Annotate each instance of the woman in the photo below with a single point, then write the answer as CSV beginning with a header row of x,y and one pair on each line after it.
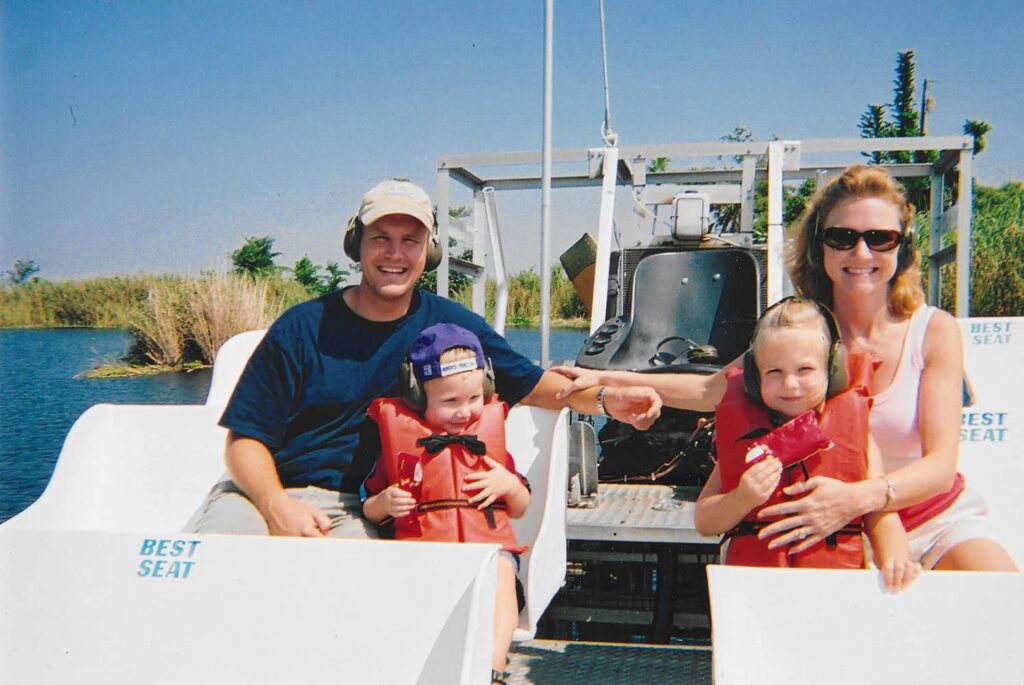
x,y
854,252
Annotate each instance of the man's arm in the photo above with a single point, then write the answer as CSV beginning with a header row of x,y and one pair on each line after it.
x,y
252,467
638,406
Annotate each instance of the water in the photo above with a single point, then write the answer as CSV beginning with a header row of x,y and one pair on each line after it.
x,y
41,394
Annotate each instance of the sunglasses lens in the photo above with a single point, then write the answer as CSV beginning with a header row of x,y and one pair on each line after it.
x,y
840,238
882,241
879,240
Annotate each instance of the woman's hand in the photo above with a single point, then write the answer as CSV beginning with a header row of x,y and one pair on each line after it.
x,y
581,379
827,505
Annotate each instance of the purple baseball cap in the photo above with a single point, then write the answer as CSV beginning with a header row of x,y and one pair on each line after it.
x,y
431,343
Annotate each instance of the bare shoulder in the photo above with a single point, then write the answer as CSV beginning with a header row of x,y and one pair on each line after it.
x,y
942,338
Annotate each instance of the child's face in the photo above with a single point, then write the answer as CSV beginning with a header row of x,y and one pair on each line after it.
x,y
792,364
454,402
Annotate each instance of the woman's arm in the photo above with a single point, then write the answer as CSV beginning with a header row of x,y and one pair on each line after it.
x,y
690,391
889,544
939,409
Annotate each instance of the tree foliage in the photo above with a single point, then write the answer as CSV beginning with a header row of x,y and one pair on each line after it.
x,y
307,274
457,282
23,271
901,119
255,258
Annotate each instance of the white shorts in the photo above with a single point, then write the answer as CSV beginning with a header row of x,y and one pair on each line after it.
x,y
965,519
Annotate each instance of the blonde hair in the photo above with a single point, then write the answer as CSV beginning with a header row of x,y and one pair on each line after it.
x,y
806,259
793,312
455,354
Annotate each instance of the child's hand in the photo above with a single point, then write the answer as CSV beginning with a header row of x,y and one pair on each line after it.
x,y
397,502
899,574
495,483
759,481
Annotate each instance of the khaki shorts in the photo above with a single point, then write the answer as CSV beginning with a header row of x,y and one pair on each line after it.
x,y
227,510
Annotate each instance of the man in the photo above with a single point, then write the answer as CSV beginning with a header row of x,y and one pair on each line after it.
x,y
297,450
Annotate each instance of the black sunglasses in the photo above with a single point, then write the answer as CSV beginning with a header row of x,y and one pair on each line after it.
x,y
877,239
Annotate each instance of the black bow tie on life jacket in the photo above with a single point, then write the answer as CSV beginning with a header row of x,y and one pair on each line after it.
x,y
437,442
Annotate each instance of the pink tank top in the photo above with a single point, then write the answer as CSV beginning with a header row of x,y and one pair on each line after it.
x,y
894,422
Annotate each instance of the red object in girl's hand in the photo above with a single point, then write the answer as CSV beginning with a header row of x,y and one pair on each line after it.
x,y
792,442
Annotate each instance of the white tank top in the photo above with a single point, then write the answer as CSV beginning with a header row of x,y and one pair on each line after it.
x,y
894,421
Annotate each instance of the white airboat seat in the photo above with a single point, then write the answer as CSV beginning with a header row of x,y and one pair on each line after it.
x,y
536,438
793,626
76,593
806,626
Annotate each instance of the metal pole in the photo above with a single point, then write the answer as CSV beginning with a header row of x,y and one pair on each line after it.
x,y
498,253
775,231
545,190
964,203
442,231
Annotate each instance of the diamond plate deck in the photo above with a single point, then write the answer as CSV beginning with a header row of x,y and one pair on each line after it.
x,y
549,662
638,513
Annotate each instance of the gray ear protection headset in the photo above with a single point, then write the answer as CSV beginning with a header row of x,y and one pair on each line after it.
x,y
354,235
411,390
838,378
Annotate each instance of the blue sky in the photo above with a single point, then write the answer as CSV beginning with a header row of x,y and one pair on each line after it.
x,y
151,137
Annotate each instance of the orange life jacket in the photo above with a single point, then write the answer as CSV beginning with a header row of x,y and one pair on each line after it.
x,y
443,512
844,420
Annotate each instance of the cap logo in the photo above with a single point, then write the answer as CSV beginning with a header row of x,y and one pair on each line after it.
x,y
455,367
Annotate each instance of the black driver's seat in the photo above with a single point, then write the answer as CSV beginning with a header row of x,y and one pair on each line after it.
x,y
692,311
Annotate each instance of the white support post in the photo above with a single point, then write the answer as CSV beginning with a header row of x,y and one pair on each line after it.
x,y
935,241
545,187
480,253
748,196
609,178
776,237
500,278
442,231
964,204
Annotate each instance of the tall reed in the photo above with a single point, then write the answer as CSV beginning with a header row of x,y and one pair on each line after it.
x,y
524,299
159,326
221,306
189,320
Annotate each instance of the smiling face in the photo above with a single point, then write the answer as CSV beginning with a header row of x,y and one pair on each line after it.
x,y
862,270
392,253
792,363
454,402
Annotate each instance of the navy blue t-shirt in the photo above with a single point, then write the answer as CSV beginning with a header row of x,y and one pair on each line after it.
x,y
306,388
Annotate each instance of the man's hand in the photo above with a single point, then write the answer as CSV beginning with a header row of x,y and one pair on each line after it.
x,y
638,406
286,516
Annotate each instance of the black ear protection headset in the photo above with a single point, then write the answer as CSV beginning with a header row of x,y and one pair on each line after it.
x,y
411,390
354,235
838,378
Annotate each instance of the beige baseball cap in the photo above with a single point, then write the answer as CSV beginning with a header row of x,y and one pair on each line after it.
x,y
397,197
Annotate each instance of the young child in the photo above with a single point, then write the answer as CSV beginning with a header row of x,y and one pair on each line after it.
x,y
443,474
797,365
